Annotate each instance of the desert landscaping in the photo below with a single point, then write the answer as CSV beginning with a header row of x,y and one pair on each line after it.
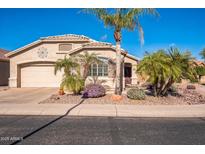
x,y
184,96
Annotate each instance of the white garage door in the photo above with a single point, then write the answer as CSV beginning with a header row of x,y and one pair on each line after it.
x,y
40,75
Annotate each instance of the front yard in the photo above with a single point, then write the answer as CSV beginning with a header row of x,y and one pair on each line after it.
x,y
184,96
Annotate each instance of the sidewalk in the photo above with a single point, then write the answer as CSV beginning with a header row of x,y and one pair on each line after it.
x,y
113,110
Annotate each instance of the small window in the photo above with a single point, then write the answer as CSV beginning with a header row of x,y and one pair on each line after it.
x,y
65,47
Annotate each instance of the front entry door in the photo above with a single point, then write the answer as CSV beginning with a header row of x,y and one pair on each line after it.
x,y
128,74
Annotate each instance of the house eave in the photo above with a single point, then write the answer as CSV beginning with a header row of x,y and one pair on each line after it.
x,y
4,60
12,53
104,47
19,50
90,45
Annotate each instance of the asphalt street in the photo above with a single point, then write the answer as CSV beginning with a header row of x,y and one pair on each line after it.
x,y
101,130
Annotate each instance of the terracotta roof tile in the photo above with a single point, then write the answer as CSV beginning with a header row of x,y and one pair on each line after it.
x,y
69,37
199,63
97,44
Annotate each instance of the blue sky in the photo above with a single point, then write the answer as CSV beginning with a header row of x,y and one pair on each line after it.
x,y
184,28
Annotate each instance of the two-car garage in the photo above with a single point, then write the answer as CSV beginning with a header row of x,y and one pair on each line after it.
x,y
38,75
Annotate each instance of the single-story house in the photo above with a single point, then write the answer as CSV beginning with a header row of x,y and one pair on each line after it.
x,y
33,65
4,68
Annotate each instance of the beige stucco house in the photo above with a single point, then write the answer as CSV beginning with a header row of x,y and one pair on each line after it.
x,y
4,68
33,64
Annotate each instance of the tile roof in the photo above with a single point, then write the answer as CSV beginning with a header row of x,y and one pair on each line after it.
x,y
70,37
199,63
87,43
2,54
97,44
100,44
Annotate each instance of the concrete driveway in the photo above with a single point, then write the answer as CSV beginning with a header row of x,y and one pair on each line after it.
x,y
25,95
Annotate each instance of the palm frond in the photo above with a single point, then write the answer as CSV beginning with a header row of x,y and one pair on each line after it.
x,y
123,18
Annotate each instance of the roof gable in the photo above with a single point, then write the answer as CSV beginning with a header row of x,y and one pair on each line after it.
x,y
87,43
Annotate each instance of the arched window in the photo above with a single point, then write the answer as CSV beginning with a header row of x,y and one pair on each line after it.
x,y
99,69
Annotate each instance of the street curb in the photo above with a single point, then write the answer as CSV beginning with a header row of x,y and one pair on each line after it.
x,y
105,110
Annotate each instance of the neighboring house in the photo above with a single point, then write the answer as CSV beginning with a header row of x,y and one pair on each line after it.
x,y
33,64
4,68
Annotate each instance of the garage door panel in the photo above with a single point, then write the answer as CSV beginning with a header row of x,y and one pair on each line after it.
x,y
40,76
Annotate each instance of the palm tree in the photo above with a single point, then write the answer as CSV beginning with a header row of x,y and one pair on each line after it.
x,y
180,67
71,77
164,68
119,19
155,66
67,64
86,60
202,53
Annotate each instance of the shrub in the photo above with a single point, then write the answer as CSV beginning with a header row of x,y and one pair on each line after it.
x,y
93,91
73,83
173,90
137,94
190,87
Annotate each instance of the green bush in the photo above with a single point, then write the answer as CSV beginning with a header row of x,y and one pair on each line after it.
x,y
73,83
137,94
173,89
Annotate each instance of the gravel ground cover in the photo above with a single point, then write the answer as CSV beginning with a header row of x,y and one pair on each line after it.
x,y
185,97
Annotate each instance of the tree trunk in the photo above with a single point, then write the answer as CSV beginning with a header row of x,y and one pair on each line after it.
x,y
155,90
168,85
85,72
200,77
118,69
161,87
